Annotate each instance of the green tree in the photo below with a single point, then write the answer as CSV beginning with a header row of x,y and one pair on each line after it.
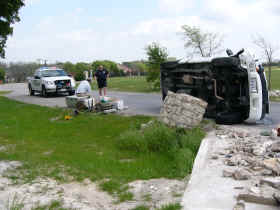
x,y
156,56
202,43
2,74
69,67
111,66
8,16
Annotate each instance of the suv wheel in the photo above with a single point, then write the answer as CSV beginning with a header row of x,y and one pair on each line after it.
x,y
44,92
31,92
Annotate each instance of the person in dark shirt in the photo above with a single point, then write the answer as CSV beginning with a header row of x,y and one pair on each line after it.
x,y
101,76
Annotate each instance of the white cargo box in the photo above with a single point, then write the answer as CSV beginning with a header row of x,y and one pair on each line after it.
x,y
71,101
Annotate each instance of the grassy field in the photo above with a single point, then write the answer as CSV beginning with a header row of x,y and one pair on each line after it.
x,y
275,78
4,92
92,146
128,84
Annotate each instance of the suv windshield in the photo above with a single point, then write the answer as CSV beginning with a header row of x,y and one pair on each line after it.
x,y
53,73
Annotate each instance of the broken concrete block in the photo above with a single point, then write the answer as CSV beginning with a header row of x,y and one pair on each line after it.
x,y
227,173
275,147
260,199
273,134
240,205
260,195
276,196
182,110
272,164
241,174
271,181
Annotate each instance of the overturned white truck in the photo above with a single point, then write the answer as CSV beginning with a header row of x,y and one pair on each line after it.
x,y
234,87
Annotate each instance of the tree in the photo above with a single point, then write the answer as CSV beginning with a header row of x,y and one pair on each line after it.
x,y
202,43
8,15
268,51
111,66
2,74
156,56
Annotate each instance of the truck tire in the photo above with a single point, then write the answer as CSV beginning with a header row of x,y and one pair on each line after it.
x,y
229,118
44,92
31,92
226,62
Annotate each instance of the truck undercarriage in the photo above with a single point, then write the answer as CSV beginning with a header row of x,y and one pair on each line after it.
x,y
223,83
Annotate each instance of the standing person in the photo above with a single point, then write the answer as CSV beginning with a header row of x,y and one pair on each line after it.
x,y
101,76
84,88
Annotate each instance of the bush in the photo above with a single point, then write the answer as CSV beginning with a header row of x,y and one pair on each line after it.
x,y
132,140
160,138
183,161
79,76
192,139
180,146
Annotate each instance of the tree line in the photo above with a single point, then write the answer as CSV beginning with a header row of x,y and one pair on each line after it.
x,y
19,71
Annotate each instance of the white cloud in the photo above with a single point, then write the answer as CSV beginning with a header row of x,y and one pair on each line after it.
x,y
63,38
175,6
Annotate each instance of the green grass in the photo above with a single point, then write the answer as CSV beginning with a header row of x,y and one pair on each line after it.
x,y
4,92
175,206
127,84
274,98
85,147
275,77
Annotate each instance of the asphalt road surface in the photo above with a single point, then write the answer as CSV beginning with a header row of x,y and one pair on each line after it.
x,y
138,103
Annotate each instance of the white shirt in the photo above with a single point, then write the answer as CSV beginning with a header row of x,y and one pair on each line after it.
x,y
84,87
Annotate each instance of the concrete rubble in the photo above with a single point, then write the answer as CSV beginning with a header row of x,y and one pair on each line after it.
x,y
253,157
182,110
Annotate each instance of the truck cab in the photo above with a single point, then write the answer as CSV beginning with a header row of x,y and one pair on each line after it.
x,y
234,87
47,80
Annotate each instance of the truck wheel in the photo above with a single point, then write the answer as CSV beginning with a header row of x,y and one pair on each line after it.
x,y
226,62
31,92
44,92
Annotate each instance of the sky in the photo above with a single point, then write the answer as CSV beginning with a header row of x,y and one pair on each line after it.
x,y
119,30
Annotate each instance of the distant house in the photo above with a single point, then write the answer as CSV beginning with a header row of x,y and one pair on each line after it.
x,y
125,69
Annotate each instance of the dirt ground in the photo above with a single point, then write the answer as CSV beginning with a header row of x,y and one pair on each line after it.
x,y
86,195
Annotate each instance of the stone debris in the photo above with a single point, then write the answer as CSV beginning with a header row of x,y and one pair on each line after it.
x,y
240,205
241,174
85,195
271,181
275,146
182,110
255,157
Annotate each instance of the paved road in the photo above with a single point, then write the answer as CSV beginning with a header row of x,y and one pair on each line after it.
x,y
138,103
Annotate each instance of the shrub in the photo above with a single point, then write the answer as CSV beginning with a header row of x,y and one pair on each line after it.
x,y
79,76
132,140
183,161
192,139
160,138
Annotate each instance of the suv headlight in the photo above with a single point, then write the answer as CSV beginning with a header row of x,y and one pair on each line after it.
x,y
253,85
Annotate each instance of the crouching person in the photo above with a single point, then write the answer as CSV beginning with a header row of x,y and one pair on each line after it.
x,y
84,88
